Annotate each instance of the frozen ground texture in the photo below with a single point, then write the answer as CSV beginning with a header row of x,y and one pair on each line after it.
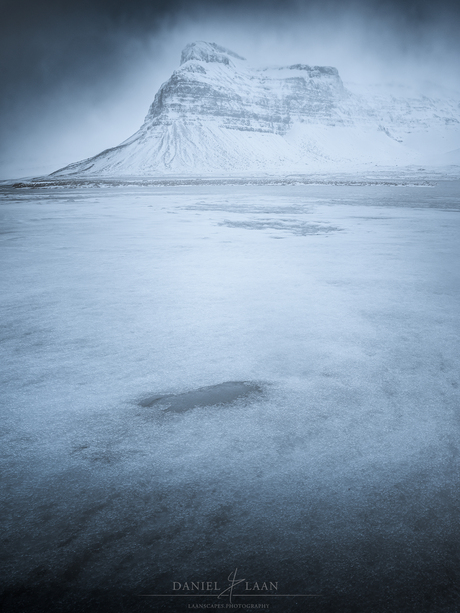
x,y
331,466
218,114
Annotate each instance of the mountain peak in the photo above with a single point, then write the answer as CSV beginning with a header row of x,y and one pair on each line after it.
x,y
217,114
207,52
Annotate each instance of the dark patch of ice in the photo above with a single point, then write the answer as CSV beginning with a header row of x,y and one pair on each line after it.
x,y
293,226
212,395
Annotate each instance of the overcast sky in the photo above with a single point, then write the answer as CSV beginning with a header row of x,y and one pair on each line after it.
x,y
78,77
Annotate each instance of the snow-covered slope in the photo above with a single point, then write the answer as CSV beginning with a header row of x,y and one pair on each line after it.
x,y
217,114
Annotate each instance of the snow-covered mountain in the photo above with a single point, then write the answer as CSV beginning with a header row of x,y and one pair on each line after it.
x,y
218,114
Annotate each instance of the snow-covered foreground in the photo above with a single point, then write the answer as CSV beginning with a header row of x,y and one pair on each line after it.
x,y
336,476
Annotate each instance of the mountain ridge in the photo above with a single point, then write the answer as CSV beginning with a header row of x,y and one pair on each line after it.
x,y
216,113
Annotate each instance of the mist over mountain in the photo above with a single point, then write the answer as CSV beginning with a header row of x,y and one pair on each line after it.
x,y
78,78
217,113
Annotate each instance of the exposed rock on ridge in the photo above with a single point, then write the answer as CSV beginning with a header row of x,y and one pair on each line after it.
x,y
208,52
217,114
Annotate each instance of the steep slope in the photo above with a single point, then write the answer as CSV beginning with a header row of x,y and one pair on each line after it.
x,y
217,114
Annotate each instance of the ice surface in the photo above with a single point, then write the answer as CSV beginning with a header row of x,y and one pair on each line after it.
x,y
341,479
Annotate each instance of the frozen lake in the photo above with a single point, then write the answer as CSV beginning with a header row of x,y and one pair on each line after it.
x,y
329,461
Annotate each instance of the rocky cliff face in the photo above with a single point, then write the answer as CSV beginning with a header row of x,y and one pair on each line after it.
x,y
217,114
216,84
